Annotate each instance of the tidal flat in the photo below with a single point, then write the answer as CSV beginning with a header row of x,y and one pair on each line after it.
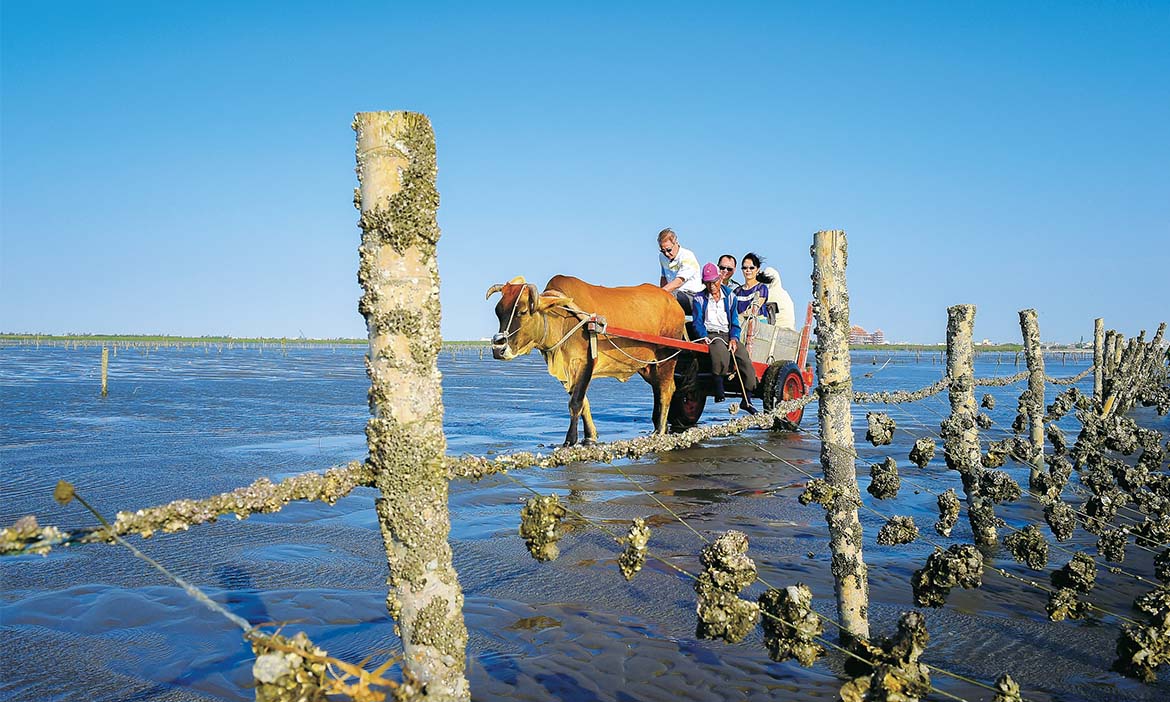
x,y
191,422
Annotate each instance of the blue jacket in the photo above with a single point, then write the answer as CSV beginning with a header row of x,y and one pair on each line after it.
x,y
699,318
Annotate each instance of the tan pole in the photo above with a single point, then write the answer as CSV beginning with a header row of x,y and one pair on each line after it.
x,y
400,301
831,304
105,368
1098,357
960,432
1034,355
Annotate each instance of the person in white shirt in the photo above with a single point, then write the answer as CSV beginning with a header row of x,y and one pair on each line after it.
x,y
785,308
680,275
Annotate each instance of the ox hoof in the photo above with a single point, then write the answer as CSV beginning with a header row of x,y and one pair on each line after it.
x,y
589,442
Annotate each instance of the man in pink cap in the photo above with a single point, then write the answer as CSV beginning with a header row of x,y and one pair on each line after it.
x,y
717,325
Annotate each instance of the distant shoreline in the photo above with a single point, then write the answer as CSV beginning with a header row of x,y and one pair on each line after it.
x,y
166,339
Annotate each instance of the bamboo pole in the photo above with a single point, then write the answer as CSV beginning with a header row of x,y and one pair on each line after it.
x,y
831,303
105,369
960,432
1098,357
400,279
1034,355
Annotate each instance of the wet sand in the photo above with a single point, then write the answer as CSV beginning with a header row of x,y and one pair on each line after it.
x,y
185,423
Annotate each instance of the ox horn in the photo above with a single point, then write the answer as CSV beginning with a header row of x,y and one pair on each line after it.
x,y
498,287
533,297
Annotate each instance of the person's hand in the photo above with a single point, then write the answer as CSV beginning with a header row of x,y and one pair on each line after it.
x,y
732,344
706,340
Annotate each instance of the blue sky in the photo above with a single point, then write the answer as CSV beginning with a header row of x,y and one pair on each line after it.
x,y
187,167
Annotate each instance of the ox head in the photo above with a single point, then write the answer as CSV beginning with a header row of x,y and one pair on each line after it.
x,y
521,312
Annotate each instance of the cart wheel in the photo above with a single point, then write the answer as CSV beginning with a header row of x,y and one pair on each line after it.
x,y
685,409
783,381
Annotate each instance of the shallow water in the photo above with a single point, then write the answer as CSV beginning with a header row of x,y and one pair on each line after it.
x,y
190,422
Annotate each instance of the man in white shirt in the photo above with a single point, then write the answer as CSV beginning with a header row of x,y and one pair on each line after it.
x,y
680,270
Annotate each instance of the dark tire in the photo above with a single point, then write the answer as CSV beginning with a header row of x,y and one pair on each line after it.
x,y
685,409
783,381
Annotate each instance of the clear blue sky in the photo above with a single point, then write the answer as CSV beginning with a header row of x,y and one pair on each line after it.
x,y
187,167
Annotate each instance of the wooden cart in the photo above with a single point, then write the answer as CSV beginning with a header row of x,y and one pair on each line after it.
x,y
778,360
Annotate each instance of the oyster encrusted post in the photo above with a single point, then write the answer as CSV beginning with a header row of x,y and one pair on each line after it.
x,y
1034,355
400,301
834,410
960,432
1098,358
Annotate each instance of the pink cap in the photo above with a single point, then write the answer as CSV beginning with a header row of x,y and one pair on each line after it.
x,y
710,272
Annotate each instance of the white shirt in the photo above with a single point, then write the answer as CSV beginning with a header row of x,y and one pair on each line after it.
x,y
786,309
716,317
786,312
686,266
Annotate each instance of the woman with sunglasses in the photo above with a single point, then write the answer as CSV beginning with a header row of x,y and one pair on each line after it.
x,y
751,297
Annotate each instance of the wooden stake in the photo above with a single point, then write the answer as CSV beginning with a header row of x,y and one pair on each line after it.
x,y
105,369
1034,355
961,445
1098,357
831,304
400,279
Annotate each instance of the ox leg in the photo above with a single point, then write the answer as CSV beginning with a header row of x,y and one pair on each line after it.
x,y
587,421
663,394
580,385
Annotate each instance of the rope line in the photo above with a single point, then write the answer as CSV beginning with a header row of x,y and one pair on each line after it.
x,y
790,625
1055,544
1038,496
1072,380
937,545
632,358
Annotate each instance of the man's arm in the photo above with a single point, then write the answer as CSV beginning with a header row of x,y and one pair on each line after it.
x,y
672,285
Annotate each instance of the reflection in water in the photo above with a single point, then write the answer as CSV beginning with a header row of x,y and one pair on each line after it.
x,y
182,423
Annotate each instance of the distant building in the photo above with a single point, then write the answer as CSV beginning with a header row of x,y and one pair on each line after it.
x,y
858,335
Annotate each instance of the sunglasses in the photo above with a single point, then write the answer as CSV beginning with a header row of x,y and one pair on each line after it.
x,y
727,268
749,268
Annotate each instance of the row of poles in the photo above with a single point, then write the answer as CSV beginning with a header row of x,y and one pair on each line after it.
x,y
831,307
397,200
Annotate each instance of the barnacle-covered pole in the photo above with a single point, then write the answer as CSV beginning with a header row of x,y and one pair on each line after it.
x,y
400,301
1098,358
1107,359
960,432
1034,355
834,410
105,369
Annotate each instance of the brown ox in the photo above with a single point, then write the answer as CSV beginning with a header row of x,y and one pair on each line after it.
x,y
549,321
